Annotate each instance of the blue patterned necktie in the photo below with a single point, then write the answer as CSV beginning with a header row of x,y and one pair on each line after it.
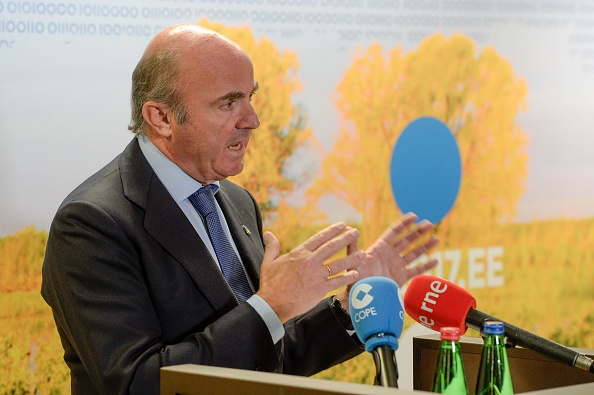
x,y
204,202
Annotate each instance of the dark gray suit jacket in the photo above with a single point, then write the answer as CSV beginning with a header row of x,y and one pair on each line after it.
x,y
133,288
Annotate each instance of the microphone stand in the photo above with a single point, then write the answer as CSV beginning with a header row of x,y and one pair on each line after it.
x,y
385,366
517,336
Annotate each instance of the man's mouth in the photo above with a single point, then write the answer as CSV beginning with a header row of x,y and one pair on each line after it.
x,y
240,143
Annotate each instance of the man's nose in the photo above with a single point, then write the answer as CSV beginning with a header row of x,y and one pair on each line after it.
x,y
250,119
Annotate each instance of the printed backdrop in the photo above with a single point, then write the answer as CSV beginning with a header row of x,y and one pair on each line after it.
x,y
340,80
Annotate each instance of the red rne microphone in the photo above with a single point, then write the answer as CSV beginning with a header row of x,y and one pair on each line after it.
x,y
435,303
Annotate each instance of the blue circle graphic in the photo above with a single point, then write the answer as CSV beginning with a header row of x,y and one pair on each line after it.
x,y
426,169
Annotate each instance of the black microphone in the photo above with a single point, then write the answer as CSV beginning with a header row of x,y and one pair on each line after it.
x,y
435,303
378,318
517,336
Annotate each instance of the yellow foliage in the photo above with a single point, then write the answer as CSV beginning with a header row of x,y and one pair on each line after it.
x,y
31,359
476,95
21,256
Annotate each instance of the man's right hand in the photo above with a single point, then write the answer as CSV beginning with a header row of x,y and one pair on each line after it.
x,y
294,283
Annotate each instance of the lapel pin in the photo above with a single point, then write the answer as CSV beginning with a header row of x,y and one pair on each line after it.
x,y
246,230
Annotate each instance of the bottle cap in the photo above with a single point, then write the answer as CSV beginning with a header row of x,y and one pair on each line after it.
x,y
493,328
449,333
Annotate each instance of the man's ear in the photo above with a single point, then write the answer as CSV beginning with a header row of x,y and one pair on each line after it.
x,y
158,117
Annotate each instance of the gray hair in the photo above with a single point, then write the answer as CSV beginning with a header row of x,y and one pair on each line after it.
x,y
156,78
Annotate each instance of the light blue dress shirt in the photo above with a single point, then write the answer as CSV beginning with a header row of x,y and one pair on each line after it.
x,y
180,185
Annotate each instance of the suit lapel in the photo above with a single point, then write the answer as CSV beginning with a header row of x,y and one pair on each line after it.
x,y
168,225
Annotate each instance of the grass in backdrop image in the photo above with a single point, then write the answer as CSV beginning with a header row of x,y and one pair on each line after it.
x,y
31,355
546,265
524,273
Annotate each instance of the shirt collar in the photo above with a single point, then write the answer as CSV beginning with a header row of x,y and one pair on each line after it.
x,y
179,184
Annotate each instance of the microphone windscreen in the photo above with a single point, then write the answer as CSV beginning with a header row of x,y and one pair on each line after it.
x,y
375,309
436,303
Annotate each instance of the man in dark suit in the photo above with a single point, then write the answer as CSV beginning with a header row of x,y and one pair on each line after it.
x,y
134,274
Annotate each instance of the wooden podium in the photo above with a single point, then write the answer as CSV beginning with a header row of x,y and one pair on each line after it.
x,y
209,380
531,372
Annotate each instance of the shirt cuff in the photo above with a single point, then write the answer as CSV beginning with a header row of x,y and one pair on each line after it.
x,y
274,325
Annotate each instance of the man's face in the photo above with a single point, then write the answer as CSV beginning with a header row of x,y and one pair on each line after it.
x,y
211,144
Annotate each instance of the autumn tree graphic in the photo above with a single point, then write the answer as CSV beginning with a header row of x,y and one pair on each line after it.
x,y
476,94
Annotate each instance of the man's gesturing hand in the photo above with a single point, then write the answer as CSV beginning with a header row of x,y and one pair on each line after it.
x,y
295,282
392,253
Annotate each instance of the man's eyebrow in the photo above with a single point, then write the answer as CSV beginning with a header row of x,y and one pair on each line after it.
x,y
231,96
235,95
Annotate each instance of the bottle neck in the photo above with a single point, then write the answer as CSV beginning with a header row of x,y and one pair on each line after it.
x,y
494,341
451,345
494,375
449,375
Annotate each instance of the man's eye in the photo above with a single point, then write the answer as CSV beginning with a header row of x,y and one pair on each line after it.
x,y
228,106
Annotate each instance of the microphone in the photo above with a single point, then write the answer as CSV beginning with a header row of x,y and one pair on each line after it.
x,y
435,303
377,315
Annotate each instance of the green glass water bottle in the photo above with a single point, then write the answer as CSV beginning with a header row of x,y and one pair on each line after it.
x,y
449,374
494,377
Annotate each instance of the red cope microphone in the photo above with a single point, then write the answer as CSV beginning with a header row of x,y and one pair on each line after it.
x,y
435,303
